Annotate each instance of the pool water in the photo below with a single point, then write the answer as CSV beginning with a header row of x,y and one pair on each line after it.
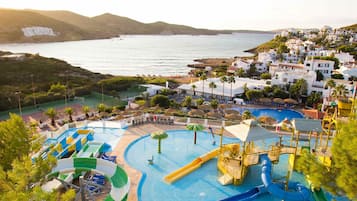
x,y
278,114
178,150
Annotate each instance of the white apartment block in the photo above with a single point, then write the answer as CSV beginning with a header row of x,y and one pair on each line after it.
x,y
324,66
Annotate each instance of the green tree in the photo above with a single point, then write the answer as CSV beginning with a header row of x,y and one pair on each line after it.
x,y
340,91
212,86
247,115
101,107
69,112
187,102
223,80
299,88
199,101
341,177
214,104
231,80
146,97
279,93
254,94
267,91
240,72
160,135
313,99
330,84
51,113
161,100
194,89
86,110
265,76
195,128
319,76
203,77
252,70
57,88
20,176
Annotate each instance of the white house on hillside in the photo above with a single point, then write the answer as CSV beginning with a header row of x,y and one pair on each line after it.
x,y
267,57
324,66
344,58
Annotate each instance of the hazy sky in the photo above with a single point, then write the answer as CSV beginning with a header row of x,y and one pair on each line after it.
x,y
212,14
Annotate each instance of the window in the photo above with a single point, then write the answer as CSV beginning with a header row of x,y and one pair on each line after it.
x,y
285,80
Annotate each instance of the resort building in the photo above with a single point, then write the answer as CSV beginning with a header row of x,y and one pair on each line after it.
x,y
324,66
267,57
286,67
344,58
203,89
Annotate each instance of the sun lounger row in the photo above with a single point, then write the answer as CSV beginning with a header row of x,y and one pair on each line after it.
x,y
157,120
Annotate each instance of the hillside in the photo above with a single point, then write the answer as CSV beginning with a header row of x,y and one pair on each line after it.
x,y
12,21
49,26
18,74
351,27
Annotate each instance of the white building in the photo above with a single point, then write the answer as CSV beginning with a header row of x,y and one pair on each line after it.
x,y
242,63
152,89
324,66
267,57
344,58
202,88
286,67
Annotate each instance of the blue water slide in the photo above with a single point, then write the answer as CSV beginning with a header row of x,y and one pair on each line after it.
x,y
301,193
248,195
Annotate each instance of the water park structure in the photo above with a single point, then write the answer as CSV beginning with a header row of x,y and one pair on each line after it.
x,y
83,159
235,159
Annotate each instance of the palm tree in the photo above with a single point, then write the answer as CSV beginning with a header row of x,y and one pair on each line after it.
x,y
231,80
51,113
69,112
194,89
212,86
187,102
86,110
194,128
223,79
340,91
203,77
101,107
330,84
214,104
247,115
240,72
159,135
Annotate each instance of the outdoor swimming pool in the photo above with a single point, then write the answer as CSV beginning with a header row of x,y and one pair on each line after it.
x,y
178,150
278,114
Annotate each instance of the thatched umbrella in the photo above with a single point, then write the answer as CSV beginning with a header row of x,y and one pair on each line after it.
x,y
278,100
265,100
195,112
231,112
233,116
214,114
290,101
267,120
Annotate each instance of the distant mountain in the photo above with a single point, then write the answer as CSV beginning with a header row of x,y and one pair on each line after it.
x,y
12,22
48,26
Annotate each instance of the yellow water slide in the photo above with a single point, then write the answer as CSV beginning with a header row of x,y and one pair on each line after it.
x,y
187,169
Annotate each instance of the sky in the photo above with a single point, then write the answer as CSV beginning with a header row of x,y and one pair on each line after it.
x,y
212,14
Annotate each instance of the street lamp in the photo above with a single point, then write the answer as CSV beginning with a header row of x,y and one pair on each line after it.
x,y
18,93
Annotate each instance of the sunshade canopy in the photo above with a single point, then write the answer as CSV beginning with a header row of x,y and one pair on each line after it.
x,y
250,130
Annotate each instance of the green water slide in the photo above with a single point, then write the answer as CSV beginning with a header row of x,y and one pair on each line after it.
x,y
91,149
118,178
319,195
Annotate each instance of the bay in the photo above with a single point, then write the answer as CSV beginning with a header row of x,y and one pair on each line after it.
x,y
144,54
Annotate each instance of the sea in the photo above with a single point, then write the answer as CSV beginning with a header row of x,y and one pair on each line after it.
x,y
166,55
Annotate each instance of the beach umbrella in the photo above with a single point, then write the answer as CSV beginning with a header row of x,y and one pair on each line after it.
x,y
265,100
195,112
195,128
290,101
249,130
233,116
231,112
267,120
278,100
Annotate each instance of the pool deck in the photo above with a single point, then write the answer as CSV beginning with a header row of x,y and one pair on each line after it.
x,y
129,136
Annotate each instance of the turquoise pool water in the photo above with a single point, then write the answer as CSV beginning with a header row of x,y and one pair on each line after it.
x,y
278,114
178,150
